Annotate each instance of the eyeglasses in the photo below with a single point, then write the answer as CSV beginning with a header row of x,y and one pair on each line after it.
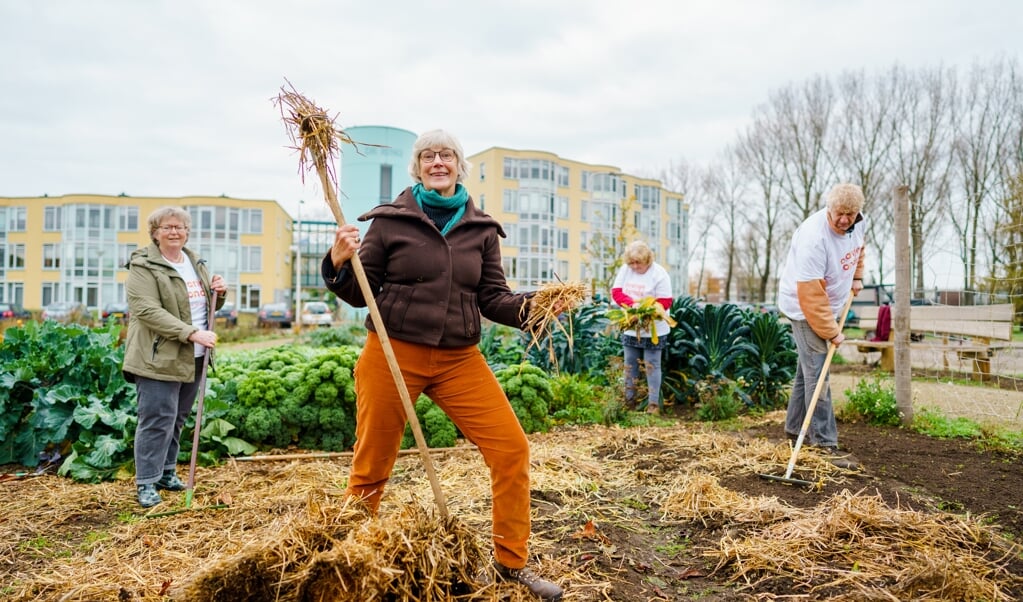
x,y
173,228
428,156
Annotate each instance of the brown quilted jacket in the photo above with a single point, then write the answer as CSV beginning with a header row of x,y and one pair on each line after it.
x,y
430,289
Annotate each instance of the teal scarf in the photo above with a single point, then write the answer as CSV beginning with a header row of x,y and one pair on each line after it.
x,y
431,198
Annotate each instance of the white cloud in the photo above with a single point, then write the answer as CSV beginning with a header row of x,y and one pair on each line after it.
x,y
173,98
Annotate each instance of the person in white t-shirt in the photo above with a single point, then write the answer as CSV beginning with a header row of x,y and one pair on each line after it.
x,y
169,290
638,278
824,266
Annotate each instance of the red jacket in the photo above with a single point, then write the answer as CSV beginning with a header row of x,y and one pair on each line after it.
x,y
430,289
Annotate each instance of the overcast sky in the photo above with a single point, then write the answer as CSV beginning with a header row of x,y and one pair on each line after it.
x,y
174,97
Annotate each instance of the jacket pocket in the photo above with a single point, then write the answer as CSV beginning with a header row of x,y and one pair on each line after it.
x,y
163,358
470,315
394,303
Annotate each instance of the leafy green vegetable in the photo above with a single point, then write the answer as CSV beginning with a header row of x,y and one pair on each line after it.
x,y
530,394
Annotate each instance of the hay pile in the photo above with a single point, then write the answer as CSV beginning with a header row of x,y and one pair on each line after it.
x,y
599,496
543,308
850,546
336,554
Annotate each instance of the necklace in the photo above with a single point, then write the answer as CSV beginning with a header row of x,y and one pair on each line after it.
x,y
180,259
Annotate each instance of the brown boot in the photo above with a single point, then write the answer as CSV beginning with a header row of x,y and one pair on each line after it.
x,y
541,588
840,459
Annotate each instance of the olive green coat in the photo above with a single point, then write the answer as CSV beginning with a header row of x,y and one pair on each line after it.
x,y
160,323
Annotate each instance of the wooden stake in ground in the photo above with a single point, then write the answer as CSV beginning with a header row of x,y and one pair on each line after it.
x,y
316,138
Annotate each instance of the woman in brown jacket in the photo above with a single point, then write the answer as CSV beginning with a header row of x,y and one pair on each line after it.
x,y
434,262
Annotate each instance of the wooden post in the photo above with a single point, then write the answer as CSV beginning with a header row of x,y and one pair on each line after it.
x,y
900,313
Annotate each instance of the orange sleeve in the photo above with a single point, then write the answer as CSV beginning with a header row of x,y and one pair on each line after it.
x,y
813,300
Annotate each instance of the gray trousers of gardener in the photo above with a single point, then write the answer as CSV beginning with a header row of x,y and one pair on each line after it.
x,y
811,351
163,408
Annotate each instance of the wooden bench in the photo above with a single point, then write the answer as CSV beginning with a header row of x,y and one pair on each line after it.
x,y
969,330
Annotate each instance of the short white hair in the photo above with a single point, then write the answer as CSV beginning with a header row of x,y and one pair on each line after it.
x,y
847,198
443,139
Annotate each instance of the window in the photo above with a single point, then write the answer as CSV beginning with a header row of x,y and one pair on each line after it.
x,y
561,207
252,221
128,219
51,256
482,167
249,297
50,293
600,182
124,252
16,217
16,256
13,292
385,184
561,176
252,259
53,219
511,201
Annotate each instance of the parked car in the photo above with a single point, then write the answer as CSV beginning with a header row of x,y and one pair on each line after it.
x,y
317,313
227,314
116,311
68,312
10,311
274,314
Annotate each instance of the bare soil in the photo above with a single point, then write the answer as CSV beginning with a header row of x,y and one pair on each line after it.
x,y
906,469
646,558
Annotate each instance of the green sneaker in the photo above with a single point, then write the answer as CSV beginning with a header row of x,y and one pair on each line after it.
x,y
170,482
148,496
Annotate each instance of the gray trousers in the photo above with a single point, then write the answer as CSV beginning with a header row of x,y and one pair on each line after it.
x,y
163,408
651,364
811,351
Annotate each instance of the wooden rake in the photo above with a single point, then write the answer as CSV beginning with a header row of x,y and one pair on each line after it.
x,y
316,138
788,478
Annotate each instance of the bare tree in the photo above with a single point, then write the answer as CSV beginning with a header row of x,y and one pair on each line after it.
x,y
762,163
678,178
799,121
984,122
724,185
703,217
922,158
863,140
1005,241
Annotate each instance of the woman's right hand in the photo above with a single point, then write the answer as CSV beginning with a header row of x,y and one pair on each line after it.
x,y
346,243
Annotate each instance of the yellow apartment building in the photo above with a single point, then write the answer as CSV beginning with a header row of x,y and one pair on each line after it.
x,y
554,210
74,247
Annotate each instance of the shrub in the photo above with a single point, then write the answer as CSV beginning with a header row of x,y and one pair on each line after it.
x,y
577,400
874,402
530,394
767,369
438,430
720,399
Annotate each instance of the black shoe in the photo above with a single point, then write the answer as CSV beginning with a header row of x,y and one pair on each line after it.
x,y
840,458
541,588
148,496
170,482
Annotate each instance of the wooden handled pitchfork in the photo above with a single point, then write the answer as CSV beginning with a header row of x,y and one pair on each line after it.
x,y
316,139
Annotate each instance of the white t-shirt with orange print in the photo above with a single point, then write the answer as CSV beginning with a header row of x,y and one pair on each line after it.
x,y
819,253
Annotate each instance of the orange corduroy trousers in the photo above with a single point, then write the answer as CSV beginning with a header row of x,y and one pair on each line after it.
x,y
461,383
